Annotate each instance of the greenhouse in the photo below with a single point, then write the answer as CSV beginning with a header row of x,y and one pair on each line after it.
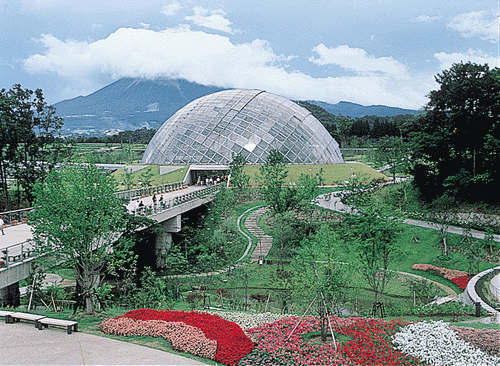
x,y
211,129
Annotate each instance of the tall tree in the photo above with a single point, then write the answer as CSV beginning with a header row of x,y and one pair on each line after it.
x,y
344,127
239,179
457,141
376,242
29,145
77,218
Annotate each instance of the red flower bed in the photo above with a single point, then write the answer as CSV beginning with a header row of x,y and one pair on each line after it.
x,y
232,342
461,281
370,344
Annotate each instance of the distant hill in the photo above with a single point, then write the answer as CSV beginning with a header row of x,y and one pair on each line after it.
x,y
354,110
130,104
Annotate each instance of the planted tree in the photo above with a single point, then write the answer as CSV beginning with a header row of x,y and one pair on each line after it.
x,y
77,218
441,214
239,179
376,241
322,273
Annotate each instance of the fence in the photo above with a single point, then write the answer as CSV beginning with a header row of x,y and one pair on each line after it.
x,y
163,205
149,191
16,253
16,217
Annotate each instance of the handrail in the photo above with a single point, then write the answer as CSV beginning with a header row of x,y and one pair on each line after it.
x,y
148,191
15,217
163,205
16,253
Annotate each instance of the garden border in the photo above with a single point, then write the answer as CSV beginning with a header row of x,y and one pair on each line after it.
x,y
472,295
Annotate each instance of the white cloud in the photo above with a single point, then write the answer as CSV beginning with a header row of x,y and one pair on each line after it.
x,y
144,25
476,23
212,59
171,9
446,60
427,18
358,60
213,19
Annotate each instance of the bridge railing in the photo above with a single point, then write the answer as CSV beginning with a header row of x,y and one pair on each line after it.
x,y
163,205
16,253
15,217
149,191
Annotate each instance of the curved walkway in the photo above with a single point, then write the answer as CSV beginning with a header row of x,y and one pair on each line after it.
x,y
264,241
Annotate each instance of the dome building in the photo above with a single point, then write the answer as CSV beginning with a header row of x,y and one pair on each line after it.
x,y
212,128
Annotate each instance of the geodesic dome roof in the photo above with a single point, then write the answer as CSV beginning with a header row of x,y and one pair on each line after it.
x,y
212,128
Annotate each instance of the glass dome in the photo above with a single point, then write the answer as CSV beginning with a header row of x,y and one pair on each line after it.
x,y
210,129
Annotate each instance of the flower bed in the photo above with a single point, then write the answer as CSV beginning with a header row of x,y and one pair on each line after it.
x,y
231,342
487,340
436,344
247,321
462,281
370,344
460,278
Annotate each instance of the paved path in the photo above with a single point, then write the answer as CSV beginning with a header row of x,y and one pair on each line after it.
x,y
265,242
23,344
332,201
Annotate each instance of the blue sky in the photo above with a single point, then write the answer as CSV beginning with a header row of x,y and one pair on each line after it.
x,y
362,51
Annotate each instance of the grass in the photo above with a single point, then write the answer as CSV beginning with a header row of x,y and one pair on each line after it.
x,y
157,179
331,173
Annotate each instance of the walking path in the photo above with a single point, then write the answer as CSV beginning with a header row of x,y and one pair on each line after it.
x,y
23,344
264,241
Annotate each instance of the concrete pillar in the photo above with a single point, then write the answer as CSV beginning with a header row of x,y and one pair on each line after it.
x,y
10,295
164,239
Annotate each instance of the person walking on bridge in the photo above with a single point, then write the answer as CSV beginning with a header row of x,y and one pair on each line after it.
x,y
1,225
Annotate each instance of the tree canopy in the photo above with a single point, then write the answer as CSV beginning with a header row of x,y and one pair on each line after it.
x,y
456,143
76,218
29,147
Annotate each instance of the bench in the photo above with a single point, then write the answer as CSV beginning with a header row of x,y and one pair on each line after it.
x,y
70,325
16,317
6,315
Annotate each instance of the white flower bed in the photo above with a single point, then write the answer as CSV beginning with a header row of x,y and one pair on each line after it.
x,y
247,321
436,344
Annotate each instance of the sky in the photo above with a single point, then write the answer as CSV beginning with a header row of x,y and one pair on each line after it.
x,y
362,51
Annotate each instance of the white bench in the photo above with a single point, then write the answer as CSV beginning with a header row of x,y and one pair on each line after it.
x,y
70,325
16,317
6,315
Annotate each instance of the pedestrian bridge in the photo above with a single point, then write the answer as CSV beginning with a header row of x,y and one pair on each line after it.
x,y
163,203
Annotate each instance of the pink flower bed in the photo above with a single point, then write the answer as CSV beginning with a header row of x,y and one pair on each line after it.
x,y
487,340
370,344
461,278
183,337
231,342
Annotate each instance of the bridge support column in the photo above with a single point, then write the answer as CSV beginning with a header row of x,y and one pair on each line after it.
x,y
164,239
9,296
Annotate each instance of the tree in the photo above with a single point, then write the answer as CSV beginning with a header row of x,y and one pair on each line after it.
x,y
322,272
77,217
274,173
376,241
29,145
344,127
282,197
239,179
393,152
456,143
442,213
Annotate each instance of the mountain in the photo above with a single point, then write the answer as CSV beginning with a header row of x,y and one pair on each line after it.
x,y
130,104
354,110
